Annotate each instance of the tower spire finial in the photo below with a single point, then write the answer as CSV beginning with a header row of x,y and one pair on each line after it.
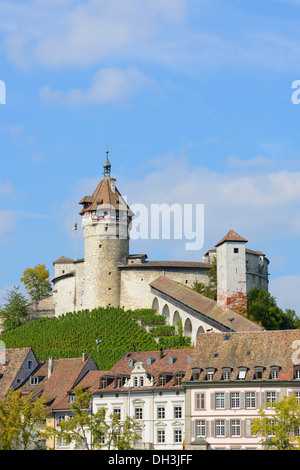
x,y
106,166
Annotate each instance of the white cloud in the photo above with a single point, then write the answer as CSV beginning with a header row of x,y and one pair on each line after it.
x,y
108,85
73,33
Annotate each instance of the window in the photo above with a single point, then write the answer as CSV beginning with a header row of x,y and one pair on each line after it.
x,y
138,412
34,380
162,380
226,374
274,373
270,397
118,382
220,428
297,396
178,379
297,374
160,412
103,383
160,436
117,411
235,250
210,375
250,400
72,397
141,381
135,382
177,435
195,374
220,400
235,400
242,374
258,374
29,365
200,401
177,411
235,427
200,428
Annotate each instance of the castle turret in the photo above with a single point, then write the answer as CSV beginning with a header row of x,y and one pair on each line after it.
x,y
106,220
231,271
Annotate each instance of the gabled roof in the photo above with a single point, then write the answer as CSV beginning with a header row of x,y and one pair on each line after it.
x,y
14,360
247,350
64,377
63,260
231,236
202,305
104,198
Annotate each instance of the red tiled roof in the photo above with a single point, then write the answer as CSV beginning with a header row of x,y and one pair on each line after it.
x,y
232,236
157,367
15,358
248,349
104,197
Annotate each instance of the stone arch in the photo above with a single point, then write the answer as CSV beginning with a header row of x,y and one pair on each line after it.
x,y
155,304
176,319
200,331
188,329
166,311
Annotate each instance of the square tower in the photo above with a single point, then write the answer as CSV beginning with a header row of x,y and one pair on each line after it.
x,y
231,271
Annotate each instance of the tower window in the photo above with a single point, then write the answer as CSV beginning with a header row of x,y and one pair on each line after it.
x,y
100,246
235,250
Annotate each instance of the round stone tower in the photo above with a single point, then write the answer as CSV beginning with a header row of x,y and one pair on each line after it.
x,y
106,220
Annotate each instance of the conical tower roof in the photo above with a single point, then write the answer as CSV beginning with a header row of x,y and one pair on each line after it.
x,y
105,196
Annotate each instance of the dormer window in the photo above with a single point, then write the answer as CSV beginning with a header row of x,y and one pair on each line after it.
x,y
296,373
162,380
258,373
178,379
226,374
242,374
103,383
274,373
196,374
34,380
210,374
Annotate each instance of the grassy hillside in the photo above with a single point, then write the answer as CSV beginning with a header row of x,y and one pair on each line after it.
x,y
116,331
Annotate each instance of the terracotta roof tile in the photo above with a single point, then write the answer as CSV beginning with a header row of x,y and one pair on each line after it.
x,y
249,350
232,236
203,305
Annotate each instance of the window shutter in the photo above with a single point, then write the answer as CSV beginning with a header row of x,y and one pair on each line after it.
x,y
242,400
212,428
247,427
227,400
242,427
257,402
212,401
207,433
263,399
227,430
193,428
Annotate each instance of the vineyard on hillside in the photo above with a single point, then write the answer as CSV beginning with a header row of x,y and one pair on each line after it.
x,y
106,334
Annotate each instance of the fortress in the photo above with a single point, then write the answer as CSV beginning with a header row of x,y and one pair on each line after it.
x,y
110,276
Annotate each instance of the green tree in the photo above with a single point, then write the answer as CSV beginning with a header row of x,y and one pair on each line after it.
x,y
22,421
14,312
210,289
279,430
37,282
94,431
263,309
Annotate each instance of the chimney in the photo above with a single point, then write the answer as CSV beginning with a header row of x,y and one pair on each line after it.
x,y
161,353
50,366
83,357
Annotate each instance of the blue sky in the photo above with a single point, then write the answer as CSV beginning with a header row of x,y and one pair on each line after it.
x,y
193,100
